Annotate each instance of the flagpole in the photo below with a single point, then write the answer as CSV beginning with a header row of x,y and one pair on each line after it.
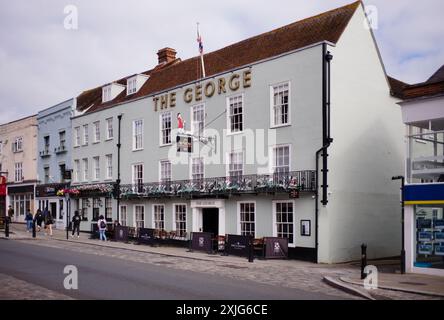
x,y
201,51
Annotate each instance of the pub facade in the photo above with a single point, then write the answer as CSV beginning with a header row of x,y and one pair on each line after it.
x,y
273,141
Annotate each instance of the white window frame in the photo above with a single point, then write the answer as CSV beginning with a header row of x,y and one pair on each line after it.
x,y
239,227
85,134
18,172
160,171
109,128
192,166
272,157
193,123
154,213
174,228
274,202
77,137
131,85
77,170
17,145
85,174
162,129
272,115
228,162
126,215
96,125
229,132
106,93
133,176
96,168
1,147
135,136
109,166
135,215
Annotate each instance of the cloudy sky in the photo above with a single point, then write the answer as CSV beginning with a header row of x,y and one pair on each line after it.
x,y
42,63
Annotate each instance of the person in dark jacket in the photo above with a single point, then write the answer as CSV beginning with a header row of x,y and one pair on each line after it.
x,y
28,219
38,218
76,219
49,221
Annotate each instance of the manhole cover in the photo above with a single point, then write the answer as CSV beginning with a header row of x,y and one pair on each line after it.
x,y
233,266
414,283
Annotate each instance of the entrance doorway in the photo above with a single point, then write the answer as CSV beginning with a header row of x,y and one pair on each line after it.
x,y
210,220
54,210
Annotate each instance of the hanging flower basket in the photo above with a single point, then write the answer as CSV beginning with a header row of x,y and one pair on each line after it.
x,y
63,192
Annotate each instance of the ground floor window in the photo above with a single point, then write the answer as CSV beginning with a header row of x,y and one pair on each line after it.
x,y
21,203
429,237
123,216
96,209
159,216
140,216
284,220
247,214
108,209
84,209
180,212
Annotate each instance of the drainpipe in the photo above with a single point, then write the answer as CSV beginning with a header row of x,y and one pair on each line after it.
x,y
326,140
119,145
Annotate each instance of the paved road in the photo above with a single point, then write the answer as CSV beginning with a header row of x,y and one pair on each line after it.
x,y
102,277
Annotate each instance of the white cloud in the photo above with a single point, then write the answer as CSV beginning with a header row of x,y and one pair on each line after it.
x,y
43,64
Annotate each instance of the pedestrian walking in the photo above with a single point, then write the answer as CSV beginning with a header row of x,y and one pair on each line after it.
x,y
38,218
10,213
49,221
76,219
28,219
102,227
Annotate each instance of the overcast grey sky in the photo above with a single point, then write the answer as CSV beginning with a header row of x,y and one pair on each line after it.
x,y
43,64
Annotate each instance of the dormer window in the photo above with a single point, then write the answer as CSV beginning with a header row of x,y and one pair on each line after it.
x,y
111,91
106,94
133,84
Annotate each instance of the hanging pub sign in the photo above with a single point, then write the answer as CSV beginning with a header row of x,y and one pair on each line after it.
x,y
237,245
276,248
201,241
121,233
184,143
294,194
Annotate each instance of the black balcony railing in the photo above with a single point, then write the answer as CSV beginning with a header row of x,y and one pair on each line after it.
x,y
255,183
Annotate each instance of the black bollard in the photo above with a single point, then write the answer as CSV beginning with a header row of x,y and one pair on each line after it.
x,y
250,249
363,260
33,229
7,227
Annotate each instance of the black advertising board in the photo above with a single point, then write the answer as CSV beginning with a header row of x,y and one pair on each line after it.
x,y
276,248
146,236
121,233
237,245
201,241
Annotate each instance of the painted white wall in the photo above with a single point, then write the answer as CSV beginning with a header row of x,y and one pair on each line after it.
x,y
366,152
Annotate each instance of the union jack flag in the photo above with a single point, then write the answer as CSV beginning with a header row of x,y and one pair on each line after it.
x,y
199,40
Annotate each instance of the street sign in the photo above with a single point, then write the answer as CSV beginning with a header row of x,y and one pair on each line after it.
x,y
184,143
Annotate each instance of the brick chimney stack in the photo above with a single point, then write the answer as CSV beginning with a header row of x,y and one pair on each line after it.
x,y
166,55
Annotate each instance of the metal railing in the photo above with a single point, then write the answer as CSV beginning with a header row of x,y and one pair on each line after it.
x,y
255,183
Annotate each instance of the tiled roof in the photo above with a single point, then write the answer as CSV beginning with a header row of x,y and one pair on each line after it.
x,y
423,90
437,76
396,87
327,26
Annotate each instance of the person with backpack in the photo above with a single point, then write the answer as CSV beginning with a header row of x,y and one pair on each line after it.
x,y
38,218
102,227
76,219
28,219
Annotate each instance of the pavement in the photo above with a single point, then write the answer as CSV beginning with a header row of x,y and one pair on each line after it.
x,y
339,280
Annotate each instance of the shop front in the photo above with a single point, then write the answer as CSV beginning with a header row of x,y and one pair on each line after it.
x,y
47,199
21,199
424,228
3,196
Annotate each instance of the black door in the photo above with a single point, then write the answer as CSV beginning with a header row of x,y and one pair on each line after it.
x,y
54,210
210,220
